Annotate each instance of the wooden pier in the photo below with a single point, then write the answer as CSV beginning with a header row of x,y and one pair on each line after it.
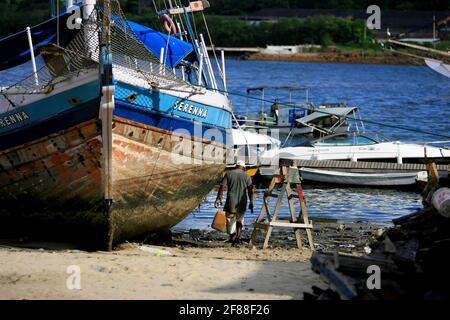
x,y
236,49
361,166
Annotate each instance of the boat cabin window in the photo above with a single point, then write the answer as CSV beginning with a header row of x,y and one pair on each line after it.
x,y
345,140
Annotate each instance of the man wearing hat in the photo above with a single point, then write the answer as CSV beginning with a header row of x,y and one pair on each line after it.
x,y
238,184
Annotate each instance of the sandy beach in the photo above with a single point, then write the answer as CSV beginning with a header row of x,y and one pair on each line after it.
x,y
130,273
197,264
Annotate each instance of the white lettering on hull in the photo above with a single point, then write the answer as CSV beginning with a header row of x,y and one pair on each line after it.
x,y
6,121
191,109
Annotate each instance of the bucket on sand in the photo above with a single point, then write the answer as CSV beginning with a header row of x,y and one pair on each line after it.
x,y
441,201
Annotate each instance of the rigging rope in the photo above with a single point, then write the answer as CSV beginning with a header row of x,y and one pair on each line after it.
x,y
213,49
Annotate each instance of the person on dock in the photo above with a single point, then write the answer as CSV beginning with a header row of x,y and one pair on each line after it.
x,y
274,110
238,184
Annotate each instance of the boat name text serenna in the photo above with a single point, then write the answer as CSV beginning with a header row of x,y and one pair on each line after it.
x,y
7,121
190,109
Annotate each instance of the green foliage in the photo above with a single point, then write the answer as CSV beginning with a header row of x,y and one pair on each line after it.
x,y
16,15
239,7
322,30
441,45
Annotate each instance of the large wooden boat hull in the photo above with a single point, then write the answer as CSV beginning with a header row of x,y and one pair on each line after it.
x,y
154,188
52,173
105,143
53,186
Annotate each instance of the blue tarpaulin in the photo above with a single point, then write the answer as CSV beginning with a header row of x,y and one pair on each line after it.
x,y
14,49
154,41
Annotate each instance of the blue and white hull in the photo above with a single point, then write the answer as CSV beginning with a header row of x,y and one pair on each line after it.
x,y
168,151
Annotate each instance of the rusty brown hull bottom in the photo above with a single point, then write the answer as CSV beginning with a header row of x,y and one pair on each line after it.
x,y
52,187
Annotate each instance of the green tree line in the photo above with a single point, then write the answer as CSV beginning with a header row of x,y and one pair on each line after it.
x,y
239,7
15,15
321,30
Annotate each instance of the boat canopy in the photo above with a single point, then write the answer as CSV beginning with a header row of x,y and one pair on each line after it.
x,y
241,137
276,88
154,41
14,49
339,112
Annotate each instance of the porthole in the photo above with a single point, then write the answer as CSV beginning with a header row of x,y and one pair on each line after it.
x,y
74,101
132,97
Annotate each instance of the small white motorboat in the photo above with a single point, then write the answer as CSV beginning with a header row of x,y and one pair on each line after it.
x,y
361,179
295,118
356,147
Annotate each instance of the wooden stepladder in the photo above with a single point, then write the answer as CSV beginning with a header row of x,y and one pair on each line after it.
x,y
287,176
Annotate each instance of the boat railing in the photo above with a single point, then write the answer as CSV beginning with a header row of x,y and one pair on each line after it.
x,y
253,123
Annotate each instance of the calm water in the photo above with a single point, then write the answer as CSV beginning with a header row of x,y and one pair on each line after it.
x,y
409,96
341,204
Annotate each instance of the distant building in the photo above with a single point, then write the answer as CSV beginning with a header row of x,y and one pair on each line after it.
x,y
414,24
443,27
289,49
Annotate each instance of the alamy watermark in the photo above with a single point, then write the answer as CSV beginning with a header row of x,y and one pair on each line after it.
x,y
219,146
374,280
374,20
73,281
74,20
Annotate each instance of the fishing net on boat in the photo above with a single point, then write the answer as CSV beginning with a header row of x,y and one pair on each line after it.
x,y
133,63
60,64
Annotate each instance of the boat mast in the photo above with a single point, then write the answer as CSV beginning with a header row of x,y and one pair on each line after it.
x,y
199,45
106,114
106,55
107,103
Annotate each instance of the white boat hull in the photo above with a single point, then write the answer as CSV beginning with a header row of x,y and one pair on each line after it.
x,y
381,151
359,179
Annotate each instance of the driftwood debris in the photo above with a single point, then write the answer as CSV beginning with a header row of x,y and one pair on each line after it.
x,y
409,261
